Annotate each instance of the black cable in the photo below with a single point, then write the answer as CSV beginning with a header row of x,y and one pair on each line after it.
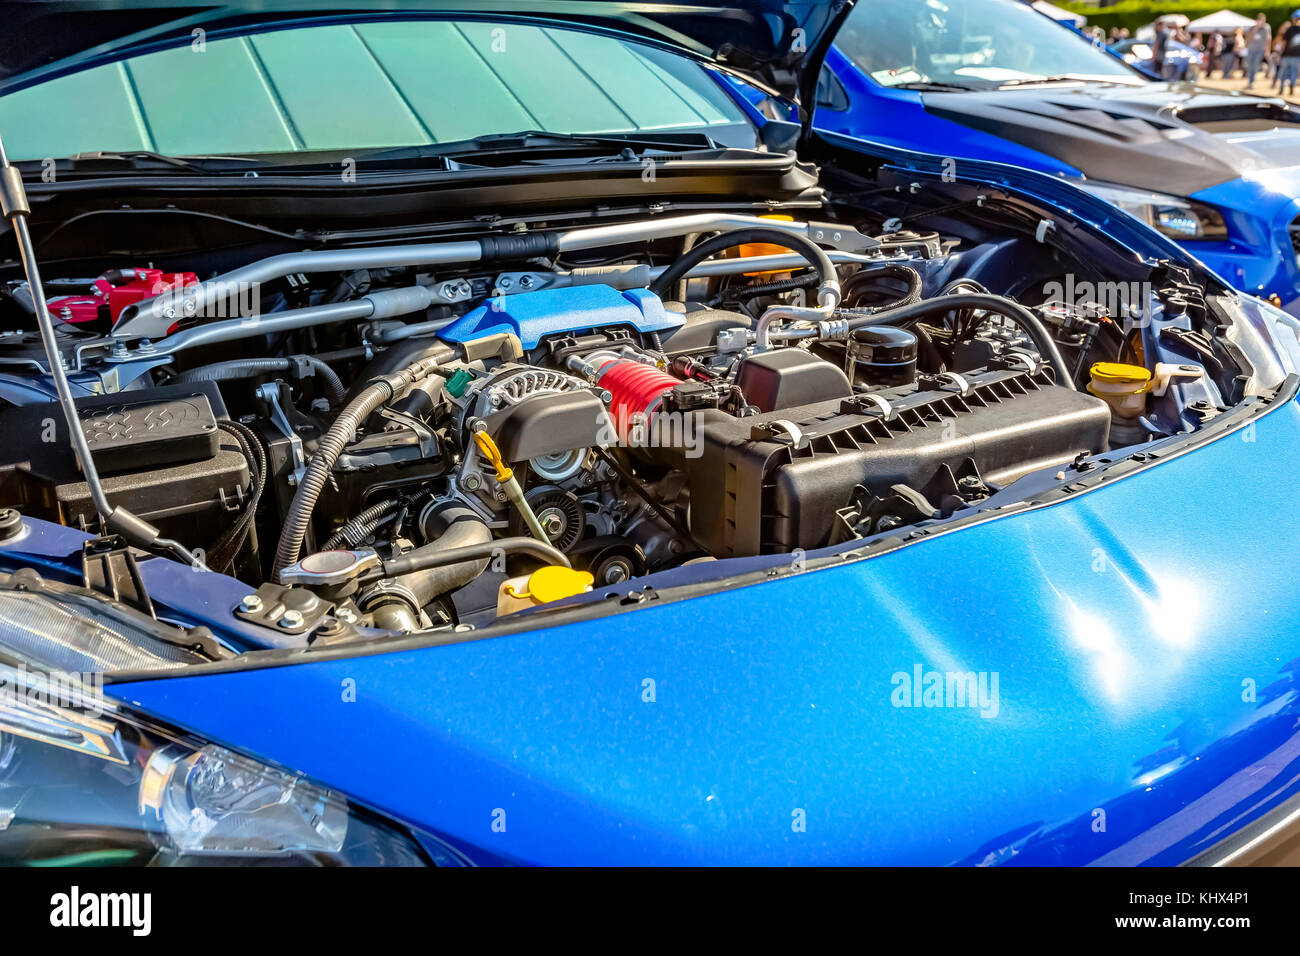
x,y
641,492
223,552
747,292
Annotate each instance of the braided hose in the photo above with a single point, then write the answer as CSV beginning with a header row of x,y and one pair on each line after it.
x,y
361,525
318,469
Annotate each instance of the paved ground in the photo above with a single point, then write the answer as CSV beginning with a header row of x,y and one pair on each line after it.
x,y
1263,87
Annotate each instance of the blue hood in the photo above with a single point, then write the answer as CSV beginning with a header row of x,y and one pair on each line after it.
x,y
1135,645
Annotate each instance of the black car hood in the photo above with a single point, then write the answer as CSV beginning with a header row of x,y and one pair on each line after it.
x,y
1159,136
776,44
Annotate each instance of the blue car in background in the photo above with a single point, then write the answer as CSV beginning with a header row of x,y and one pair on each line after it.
x,y
455,434
1181,61
996,80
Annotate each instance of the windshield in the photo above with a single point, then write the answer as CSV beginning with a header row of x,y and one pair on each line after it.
x,y
368,86
966,43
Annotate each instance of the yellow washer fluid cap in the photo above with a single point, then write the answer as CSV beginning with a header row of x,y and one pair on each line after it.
x,y
1123,387
1119,374
553,583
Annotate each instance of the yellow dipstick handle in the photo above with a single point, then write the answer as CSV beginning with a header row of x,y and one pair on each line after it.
x,y
493,454
506,477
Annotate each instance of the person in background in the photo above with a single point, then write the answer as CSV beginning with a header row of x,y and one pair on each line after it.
x,y
1288,70
1159,48
1236,54
1213,53
1258,40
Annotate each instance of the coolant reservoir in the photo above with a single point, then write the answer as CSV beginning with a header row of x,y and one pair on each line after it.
x,y
750,250
551,583
1123,387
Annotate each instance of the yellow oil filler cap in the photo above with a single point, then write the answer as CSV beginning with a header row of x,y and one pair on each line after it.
x,y
1123,387
551,583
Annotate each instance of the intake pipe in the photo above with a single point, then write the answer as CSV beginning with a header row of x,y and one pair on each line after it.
x,y
395,601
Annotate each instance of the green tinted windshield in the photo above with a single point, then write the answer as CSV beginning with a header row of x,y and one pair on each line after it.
x,y
371,85
977,43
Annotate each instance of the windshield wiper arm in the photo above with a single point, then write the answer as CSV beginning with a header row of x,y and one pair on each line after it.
x,y
541,141
933,86
1057,78
142,160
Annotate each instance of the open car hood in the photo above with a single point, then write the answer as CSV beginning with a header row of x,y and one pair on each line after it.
x,y
775,44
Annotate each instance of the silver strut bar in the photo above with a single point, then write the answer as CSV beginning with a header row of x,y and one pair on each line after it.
x,y
151,318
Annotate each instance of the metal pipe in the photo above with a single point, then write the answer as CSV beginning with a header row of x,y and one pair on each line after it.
x,y
152,318
383,304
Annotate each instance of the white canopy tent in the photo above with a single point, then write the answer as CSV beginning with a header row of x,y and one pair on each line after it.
x,y
1059,15
1225,21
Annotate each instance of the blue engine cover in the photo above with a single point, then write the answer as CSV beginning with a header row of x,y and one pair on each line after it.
x,y
535,315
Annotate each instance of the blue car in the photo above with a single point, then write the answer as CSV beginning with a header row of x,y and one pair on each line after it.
x,y
444,435
995,80
1182,62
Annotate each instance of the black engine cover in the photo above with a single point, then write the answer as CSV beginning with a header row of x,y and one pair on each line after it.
x,y
755,489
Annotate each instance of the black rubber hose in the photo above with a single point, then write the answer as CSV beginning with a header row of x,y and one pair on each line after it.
x,y
814,253
997,304
429,557
247,368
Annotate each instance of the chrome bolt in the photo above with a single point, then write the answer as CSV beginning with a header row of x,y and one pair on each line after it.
x,y
251,604
291,618
346,615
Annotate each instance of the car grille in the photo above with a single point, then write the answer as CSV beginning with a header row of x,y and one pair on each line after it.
x,y
1295,238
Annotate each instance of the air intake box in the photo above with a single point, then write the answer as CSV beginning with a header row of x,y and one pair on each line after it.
x,y
760,489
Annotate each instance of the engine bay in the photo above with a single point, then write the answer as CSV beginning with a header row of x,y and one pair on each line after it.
x,y
435,435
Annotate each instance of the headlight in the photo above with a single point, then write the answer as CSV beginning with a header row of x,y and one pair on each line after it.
x,y
1176,217
85,781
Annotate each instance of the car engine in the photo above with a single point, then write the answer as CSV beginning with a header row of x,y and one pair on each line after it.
x,y
399,436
